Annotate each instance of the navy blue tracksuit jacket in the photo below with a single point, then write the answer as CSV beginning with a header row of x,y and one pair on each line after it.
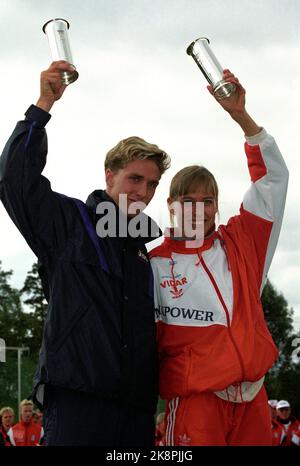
x,y
99,334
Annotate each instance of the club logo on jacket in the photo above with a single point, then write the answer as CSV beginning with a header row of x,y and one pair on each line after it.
x,y
174,284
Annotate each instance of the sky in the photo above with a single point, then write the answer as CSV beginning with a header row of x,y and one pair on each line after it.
x,y
135,79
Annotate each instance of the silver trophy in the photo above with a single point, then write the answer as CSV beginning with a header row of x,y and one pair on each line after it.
x,y
56,31
210,67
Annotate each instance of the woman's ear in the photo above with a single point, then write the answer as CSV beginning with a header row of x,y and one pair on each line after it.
x,y
216,206
171,211
170,206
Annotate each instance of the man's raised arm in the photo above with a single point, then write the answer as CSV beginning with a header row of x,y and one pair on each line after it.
x,y
25,192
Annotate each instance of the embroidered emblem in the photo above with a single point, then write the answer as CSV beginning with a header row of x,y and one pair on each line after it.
x,y
184,440
174,283
176,293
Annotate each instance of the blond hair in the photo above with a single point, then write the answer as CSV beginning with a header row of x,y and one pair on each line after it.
x,y
134,148
6,408
188,179
26,403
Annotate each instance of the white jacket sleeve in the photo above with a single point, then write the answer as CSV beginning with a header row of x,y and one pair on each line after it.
x,y
10,435
267,193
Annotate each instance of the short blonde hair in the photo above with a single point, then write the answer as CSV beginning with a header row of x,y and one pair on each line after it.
x,y
6,408
134,148
188,179
26,403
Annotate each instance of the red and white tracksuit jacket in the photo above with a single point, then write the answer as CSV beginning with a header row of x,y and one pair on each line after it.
x,y
278,433
211,331
286,434
25,434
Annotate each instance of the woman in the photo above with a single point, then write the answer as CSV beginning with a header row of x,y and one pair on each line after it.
x,y
214,345
6,422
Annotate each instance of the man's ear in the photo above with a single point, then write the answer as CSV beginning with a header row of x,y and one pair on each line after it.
x,y
109,175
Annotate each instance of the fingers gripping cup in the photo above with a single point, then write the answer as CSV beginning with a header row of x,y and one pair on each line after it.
x,y
56,31
210,67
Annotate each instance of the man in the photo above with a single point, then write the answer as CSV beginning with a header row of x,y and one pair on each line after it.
x,y
160,430
25,433
277,429
98,356
37,417
288,423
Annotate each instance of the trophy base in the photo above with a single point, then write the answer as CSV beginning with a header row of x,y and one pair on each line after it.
x,y
68,78
223,89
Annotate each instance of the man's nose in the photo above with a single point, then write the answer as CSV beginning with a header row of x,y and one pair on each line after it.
x,y
142,190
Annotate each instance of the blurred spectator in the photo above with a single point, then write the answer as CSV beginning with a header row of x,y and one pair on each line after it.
x,y
278,432
272,404
287,422
296,439
37,417
6,421
26,432
2,441
160,430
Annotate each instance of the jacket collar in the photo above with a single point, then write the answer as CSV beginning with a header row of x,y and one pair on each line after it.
x,y
181,245
100,195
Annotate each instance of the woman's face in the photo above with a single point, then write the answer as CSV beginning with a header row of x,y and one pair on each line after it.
x,y
197,210
7,418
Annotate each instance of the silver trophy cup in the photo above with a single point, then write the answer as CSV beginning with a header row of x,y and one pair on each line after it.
x,y
56,31
206,60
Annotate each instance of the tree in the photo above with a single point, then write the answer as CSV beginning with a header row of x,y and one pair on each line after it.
x,y
37,304
283,379
13,322
279,319
14,329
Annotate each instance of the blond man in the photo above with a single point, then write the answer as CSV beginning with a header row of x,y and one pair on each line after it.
x,y
98,356
25,433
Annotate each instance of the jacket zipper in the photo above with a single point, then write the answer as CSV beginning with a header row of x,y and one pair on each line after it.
x,y
214,283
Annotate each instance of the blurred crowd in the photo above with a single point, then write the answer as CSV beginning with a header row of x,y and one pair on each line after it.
x,y
28,431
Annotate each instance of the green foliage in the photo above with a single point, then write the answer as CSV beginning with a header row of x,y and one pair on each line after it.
x,y
9,379
19,329
36,302
283,380
13,321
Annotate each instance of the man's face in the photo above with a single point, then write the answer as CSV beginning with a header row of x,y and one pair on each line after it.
x,y
40,417
26,413
284,413
7,419
138,180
